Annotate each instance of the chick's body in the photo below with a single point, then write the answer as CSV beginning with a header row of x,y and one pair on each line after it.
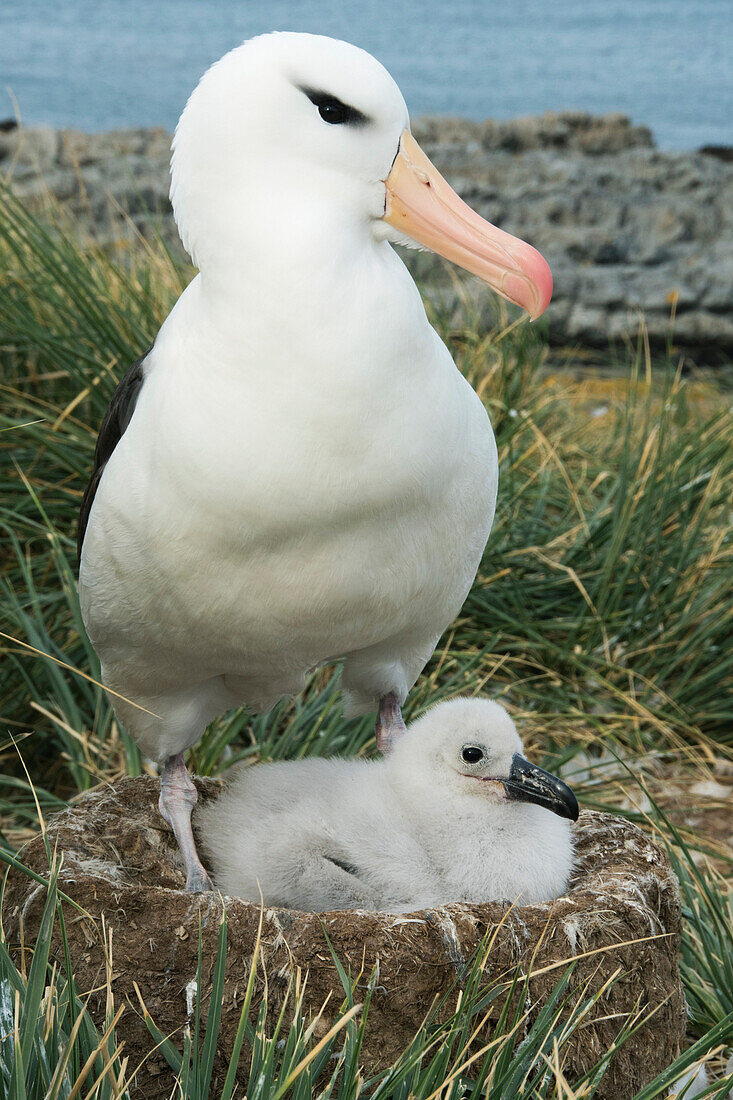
x,y
295,831
397,834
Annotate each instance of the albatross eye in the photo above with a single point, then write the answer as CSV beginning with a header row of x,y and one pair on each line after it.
x,y
332,110
472,754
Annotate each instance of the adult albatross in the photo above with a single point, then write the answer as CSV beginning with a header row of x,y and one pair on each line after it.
x,y
295,472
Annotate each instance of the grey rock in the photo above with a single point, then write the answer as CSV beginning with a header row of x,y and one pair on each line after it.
x,y
36,148
584,322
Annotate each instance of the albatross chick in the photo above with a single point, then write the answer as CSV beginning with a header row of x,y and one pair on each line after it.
x,y
453,814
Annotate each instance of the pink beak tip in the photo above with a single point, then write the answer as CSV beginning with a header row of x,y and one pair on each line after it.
x,y
541,278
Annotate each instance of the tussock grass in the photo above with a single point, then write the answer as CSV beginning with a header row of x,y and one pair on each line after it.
x,y
49,1047
601,615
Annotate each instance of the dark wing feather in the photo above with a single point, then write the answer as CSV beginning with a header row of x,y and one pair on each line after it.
x,y
348,867
116,419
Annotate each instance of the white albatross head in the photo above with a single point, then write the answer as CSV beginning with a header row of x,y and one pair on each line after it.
x,y
295,138
471,747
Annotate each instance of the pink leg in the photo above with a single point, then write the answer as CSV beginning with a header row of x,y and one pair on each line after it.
x,y
390,724
178,796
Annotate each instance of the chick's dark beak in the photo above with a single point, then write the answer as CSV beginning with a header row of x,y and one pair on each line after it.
x,y
528,783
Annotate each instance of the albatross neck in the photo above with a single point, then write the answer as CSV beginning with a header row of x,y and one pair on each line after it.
x,y
333,281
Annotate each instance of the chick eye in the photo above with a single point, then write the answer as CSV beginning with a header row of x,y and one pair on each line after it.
x,y
471,754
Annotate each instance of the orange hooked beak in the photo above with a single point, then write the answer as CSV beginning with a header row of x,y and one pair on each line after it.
x,y
425,208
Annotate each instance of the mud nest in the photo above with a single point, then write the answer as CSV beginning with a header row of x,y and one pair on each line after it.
x,y
120,863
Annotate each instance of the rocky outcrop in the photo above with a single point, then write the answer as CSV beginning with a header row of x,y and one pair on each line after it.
x,y
619,923
627,229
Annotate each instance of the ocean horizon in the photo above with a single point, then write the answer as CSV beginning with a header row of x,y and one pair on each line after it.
x,y
108,64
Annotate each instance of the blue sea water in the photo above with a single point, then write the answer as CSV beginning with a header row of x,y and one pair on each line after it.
x,y
98,64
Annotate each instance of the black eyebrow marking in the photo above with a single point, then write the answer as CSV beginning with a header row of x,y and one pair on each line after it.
x,y
319,98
